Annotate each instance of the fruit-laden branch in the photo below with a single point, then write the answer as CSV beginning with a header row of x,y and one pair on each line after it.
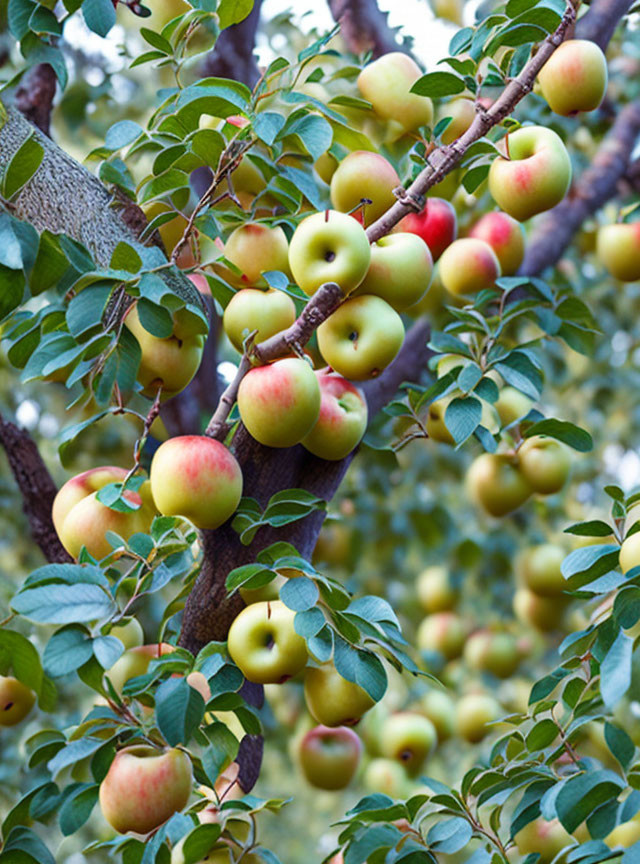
x,y
233,55
34,97
364,27
36,487
601,20
594,188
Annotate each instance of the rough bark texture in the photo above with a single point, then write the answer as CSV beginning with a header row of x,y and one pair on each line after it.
x,y
34,97
233,55
600,22
364,27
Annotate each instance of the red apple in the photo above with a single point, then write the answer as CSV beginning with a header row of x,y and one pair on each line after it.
x,y
436,224
342,421
329,757
506,238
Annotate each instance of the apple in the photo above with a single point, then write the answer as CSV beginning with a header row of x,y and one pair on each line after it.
x,y
267,312
624,835
512,405
436,591
494,652
16,700
129,632
326,166
618,248
436,224
474,713
539,569
534,177
439,707
462,112
449,10
329,757
437,428
400,270
256,248
388,777
171,231
342,421
361,337
542,613
331,699
220,853
496,484
444,632
270,591
409,738
505,236
169,362
544,463
387,82
196,477
544,838
630,552
574,78
363,174
280,403
329,247
134,662
144,787
264,645
468,266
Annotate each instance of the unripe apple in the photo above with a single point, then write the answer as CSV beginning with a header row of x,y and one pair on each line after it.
x,y
144,787
505,236
409,738
196,477
388,777
361,337
575,77
134,662
436,224
280,403
436,592
542,613
496,484
474,713
130,633
263,643
267,312
326,166
255,248
342,421
329,247
494,652
331,699
512,405
468,266
539,568
437,428
630,552
363,174
534,177
387,83
438,706
544,463
544,838
618,248
400,270
462,112
16,700
329,757
444,632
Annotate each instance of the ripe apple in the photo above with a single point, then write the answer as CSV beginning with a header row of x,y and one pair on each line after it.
x,y
618,248
468,266
436,592
439,707
575,77
387,83
331,699
256,248
329,757
444,632
196,477
16,700
544,838
400,270
169,362
539,568
542,613
361,337
496,484
409,738
130,633
263,643
494,652
436,224
134,662
329,247
535,176
251,309
512,405
388,777
474,713
280,403
437,428
506,238
144,787
342,421
363,174
544,463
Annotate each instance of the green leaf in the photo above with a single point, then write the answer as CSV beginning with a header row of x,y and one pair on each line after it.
x,y
594,528
99,15
122,134
78,804
568,433
179,710
620,744
299,593
615,670
590,562
67,650
233,11
542,735
24,847
450,835
518,370
582,794
438,84
462,417
199,842
64,604
23,165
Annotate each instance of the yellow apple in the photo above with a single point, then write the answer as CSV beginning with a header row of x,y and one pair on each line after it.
x,y
16,700
331,699
387,82
263,643
267,312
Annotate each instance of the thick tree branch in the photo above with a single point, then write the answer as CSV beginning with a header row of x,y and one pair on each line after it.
x,y
233,55
364,27
34,97
601,20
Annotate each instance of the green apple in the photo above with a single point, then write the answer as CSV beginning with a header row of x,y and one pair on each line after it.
x,y
135,661
130,633
263,643
544,463
388,777
474,714
329,757
542,613
494,652
409,738
505,236
280,403
496,484
144,787
462,112
618,248
387,82
539,569
361,337
546,839
16,700
444,632
331,699
329,247
267,312
342,421
363,174
436,591
400,270
575,77
534,177
198,478
255,249
512,405
468,266
440,708
630,552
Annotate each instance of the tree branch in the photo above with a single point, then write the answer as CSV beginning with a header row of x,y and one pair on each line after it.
x,y
601,20
364,27
233,55
35,94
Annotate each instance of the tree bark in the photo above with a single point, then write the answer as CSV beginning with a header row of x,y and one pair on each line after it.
x,y
600,22
364,27
233,55
35,95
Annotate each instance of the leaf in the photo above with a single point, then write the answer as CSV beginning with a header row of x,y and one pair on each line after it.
x,y
518,370
99,15
121,134
438,84
64,604
571,435
23,165
615,670
594,528
620,744
66,651
582,794
179,710
590,562
77,807
449,836
299,593
22,846
233,11
542,734
462,417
